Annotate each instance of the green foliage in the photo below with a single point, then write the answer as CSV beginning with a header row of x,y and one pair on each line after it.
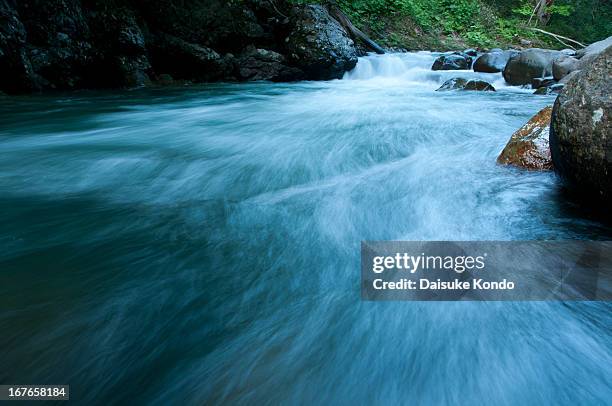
x,y
484,23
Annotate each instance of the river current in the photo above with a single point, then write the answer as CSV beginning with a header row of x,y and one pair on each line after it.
x,y
201,245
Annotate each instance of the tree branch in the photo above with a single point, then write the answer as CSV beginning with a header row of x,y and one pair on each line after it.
x,y
559,37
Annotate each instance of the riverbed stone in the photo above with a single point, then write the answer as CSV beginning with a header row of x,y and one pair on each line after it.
x,y
494,61
465,84
580,137
532,63
454,61
528,147
564,65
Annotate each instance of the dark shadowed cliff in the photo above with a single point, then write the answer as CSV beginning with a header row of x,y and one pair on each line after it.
x,y
68,44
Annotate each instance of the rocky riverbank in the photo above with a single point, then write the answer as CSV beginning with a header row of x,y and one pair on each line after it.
x,y
578,129
71,44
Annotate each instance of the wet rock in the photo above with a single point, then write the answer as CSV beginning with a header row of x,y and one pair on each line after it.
x,y
493,61
261,64
528,147
557,87
580,140
318,45
454,61
543,90
471,52
479,85
532,63
552,88
464,84
542,82
452,84
564,65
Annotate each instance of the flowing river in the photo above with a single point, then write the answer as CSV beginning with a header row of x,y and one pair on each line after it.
x,y
201,245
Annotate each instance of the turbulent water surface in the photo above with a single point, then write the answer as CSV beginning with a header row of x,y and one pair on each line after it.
x,y
202,244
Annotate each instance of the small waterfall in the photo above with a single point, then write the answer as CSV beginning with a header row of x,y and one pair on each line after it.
x,y
414,68
390,65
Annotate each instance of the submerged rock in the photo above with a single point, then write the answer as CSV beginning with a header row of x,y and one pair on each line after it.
x,y
529,64
493,61
554,88
454,61
581,129
528,147
318,45
465,84
536,83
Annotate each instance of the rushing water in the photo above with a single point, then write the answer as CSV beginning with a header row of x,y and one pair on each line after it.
x,y
202,245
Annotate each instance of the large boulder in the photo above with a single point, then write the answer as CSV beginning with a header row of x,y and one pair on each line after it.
x,y
493,61
454,61
595,48
563,66
318,45
465,84
580,138
528,147
529,64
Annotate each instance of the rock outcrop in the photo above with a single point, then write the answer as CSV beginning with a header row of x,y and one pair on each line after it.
x,y
318,45
529,64
528,147
581,129
493,61
69,44
465,84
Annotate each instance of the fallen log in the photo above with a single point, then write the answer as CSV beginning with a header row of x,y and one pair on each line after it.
x,y
355,32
